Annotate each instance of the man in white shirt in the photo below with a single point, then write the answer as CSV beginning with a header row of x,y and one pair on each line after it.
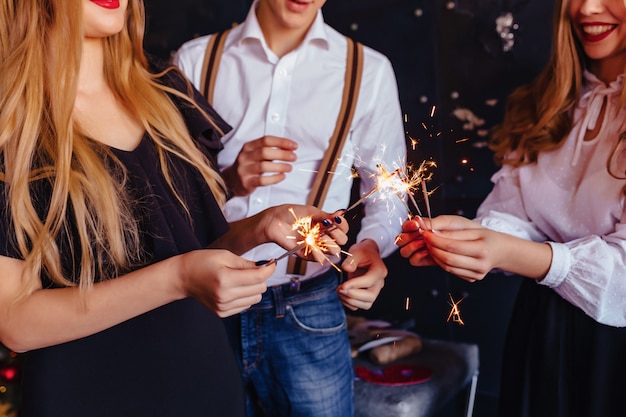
x,y
279,85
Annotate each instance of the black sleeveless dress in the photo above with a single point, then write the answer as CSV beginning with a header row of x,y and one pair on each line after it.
x,y
174,361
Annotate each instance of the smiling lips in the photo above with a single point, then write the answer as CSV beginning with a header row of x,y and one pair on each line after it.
x,y
595,32
107,4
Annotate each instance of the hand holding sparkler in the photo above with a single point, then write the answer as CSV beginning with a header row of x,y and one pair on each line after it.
x,y
412,244
315,239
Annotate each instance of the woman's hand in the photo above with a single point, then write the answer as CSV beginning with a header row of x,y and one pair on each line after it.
x,y
458,245
470,251
412,244
224,282
279,228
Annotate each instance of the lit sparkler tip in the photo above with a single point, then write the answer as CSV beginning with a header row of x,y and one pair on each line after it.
x,y
455,313
312,239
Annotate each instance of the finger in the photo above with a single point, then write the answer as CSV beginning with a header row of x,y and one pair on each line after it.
x,y
332,246
264,180
256,145
237,291
413,246
347,304
466,243
461,265
350,264
410,226
355,302
422,223
272,167
279,142
366,280
464,274
338,236
451,222
323,257
338,216
405,238
275,154
421,258
235,308
459,234
258,167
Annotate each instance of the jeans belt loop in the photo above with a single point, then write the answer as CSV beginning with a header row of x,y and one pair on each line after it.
x,y
279,302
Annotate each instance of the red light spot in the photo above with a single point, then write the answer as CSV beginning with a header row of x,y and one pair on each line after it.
x,y
9,373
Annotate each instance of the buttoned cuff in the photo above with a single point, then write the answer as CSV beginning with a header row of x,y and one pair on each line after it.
x,y
560,266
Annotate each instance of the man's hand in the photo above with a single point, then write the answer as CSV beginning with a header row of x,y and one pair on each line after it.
x,y
260,162
366,276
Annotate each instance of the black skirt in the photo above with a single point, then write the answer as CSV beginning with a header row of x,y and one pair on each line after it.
x,y
559,362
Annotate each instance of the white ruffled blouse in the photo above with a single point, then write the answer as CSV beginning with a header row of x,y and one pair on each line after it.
x,y
569,200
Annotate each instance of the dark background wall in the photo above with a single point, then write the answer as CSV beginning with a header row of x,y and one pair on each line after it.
x,y
451,56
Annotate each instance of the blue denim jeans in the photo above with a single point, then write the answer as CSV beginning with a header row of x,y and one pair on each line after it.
x,y
294,352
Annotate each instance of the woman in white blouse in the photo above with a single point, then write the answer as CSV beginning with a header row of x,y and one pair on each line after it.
x,y
556,216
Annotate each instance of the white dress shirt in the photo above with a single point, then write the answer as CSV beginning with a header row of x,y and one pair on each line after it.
x,y
298,97
569,199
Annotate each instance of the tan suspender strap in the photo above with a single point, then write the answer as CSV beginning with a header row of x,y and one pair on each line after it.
x,y
211,64
352,85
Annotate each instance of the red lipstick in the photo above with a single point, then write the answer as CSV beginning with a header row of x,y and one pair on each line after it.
x,y
107,4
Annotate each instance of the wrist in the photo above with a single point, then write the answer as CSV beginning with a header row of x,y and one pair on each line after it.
x,y
176,276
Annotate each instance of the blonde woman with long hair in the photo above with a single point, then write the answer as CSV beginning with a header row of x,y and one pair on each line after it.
x,y
109,201
556,216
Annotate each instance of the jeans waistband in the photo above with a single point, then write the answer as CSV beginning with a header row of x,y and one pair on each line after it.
x,y
278,296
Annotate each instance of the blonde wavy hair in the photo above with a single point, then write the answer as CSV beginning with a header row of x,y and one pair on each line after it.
x,y
537,116
40,52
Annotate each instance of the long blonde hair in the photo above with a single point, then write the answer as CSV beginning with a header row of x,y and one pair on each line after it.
x,y
40,52
537,116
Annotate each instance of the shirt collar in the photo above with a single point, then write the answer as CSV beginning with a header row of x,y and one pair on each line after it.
x,y
251,29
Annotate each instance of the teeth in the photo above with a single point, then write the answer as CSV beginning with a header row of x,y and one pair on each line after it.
x,y
597,30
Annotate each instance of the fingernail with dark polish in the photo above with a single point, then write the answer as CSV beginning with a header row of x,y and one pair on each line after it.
x,y
326,222
338,220
261,263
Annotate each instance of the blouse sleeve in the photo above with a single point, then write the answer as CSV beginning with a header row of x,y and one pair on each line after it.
x,y
589,272
503,210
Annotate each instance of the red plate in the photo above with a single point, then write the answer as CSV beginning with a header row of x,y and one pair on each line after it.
x,y
394,375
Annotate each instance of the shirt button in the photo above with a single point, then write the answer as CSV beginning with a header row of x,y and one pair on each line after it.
x,y
282,72
275,117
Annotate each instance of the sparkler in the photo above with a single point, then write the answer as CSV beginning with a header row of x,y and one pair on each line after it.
x,y
455,313
388,183
399,183
427,202
311,239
